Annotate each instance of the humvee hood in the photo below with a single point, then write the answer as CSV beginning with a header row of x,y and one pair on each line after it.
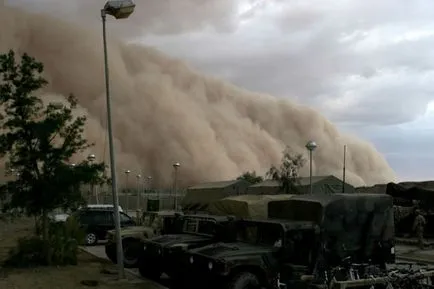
x,y
167,240
130,230
228,250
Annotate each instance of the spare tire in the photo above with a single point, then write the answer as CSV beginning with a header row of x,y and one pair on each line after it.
x,y
244,280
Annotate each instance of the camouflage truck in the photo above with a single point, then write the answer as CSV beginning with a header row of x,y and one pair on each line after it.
x,y
207,228
152,224
309,241
162,254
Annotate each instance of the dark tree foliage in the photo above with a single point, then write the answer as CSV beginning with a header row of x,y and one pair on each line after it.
x,y
251,177
287,173
38,140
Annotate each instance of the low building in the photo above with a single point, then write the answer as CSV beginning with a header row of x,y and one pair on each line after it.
x,y
199,196
320,184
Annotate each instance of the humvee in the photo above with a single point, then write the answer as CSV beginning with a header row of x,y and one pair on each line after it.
x,y
162,254
309,241
153,224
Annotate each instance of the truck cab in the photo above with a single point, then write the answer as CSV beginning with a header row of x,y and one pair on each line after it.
x,y
162,254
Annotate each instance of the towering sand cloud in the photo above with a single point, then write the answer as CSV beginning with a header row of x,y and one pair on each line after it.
x,y
165,112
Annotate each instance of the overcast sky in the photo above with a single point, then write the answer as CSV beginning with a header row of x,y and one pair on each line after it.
x,y
367,65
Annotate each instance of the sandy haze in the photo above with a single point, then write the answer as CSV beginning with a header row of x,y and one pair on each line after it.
x,y
166,112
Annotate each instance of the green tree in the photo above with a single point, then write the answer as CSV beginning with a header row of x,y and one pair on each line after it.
x,y
251,177
38,140
287,173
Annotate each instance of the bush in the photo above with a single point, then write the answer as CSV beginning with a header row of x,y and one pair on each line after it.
x,y
60,249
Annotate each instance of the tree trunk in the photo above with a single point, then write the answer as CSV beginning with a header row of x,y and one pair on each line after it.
x,y
45,225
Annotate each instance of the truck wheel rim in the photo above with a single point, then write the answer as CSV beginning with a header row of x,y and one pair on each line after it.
x,y
90,238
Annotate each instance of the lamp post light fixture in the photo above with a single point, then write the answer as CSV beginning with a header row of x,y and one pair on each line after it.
x,y
120,10
311,146
175,184
91,157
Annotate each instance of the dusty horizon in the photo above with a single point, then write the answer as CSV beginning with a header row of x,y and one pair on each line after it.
x,y
164,111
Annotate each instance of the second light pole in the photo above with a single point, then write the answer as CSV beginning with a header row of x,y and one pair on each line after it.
x,y
91,158
139,191
127,173
311,146
175,184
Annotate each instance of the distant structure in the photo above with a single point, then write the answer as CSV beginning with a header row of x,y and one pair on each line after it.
x,y
321,184
199,196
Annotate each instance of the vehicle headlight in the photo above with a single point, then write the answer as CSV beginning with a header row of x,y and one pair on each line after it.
x,y
210,265
191,260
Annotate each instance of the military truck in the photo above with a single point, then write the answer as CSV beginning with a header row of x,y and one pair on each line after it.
x,y
163,254
310,241
152,224
407,198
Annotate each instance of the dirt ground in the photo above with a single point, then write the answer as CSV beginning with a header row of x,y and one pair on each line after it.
x,y
70,277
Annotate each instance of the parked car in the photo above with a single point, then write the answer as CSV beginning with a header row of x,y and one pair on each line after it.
x,y
98,221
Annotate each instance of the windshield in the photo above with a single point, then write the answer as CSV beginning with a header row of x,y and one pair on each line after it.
x,y
268,234
148,219
198,226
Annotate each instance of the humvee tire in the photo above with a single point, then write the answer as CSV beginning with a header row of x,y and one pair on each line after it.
x,y
131,248
148,270
244,280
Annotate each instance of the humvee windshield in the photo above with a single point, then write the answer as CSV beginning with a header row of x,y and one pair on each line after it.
x,y
195,225
261,233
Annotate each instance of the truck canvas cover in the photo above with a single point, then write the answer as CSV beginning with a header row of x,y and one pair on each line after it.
x,y
410,192
245,206
340,217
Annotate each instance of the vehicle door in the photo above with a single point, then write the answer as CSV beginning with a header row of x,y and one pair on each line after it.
x,y
103,222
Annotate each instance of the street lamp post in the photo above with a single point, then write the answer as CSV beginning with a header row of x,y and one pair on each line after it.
x,y
91,158
175,181
311,146
138,177
120,10
127,201
149,183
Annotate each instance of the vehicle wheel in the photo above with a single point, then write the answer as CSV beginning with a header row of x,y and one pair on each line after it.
x,y
131,249
244,280
147,270
91,239
110,251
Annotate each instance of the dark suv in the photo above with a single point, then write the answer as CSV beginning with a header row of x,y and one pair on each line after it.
x,y
97,222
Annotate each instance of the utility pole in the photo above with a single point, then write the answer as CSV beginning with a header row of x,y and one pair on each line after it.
x,y
343,170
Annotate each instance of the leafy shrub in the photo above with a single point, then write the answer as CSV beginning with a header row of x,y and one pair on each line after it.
x,y
61,248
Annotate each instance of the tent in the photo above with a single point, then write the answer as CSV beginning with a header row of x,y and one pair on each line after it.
x,y
320,184
198,197
245,206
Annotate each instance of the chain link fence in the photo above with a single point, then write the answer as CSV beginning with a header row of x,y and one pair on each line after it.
x,y
133,200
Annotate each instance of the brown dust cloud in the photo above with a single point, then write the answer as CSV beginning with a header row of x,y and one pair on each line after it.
x,y
163,110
